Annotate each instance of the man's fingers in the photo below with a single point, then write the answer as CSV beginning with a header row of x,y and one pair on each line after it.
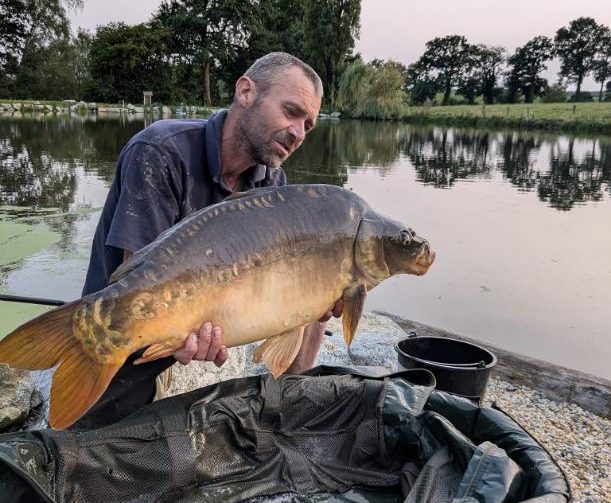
x,y
338,308
205,339
222,356
185,354
215,345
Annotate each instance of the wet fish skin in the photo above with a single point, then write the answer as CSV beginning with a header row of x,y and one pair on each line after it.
x,y
261,265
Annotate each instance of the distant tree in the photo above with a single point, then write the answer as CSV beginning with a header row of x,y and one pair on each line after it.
x,y
330,28
47,72
372,91
449,58
26,26
82,44
525,65
353,86
421,85
125,60
275,25
602,63
577,47
204,33
490,60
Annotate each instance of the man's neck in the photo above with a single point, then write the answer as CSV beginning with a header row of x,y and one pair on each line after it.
x,y
234,159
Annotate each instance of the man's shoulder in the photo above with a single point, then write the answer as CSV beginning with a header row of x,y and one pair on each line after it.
x,y
162,130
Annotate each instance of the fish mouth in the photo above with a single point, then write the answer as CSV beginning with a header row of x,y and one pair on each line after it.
x,y
424,260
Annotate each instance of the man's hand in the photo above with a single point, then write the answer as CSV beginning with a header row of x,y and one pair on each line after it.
x,y
336,310
204,345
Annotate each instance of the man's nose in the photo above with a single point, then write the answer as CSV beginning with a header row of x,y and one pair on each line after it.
x,y
297,129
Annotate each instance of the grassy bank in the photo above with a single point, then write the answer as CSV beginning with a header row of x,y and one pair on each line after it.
x,y
577,118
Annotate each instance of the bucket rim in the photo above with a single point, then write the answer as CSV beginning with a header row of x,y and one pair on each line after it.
x,y
440,365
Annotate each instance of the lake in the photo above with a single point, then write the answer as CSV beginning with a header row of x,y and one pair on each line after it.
x,y
521,222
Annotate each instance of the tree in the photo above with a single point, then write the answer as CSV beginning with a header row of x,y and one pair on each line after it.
x,y
373,91
26,26
125,60
420,84
449,58
276,25
490,59
205,33
525,65
331,27
602,62
577,47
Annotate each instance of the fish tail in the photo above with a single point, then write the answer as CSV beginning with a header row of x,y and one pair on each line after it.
x,y
48,340
39,343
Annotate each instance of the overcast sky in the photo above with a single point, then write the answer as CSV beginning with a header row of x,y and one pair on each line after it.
x,y
398,29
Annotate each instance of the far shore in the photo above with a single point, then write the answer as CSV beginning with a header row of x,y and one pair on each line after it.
x,y
585,118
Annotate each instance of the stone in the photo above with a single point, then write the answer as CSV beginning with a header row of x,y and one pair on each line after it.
x,y
18,397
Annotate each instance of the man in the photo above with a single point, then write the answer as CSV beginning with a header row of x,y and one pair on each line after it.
x,y
176,167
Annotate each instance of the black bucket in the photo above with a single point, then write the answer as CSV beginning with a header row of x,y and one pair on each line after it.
x,y
459,367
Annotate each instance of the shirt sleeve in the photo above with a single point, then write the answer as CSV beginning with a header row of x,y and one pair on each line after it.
x,y
149,197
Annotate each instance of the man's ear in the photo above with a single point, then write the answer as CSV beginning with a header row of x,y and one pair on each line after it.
x,y
245,91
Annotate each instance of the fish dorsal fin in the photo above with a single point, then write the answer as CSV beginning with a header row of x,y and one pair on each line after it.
x,y
278,352
132,263
354,300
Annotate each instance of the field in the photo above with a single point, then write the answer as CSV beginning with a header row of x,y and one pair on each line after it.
x,y
575,117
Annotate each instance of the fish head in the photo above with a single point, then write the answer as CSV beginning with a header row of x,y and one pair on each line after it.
x,y
385,247
405,252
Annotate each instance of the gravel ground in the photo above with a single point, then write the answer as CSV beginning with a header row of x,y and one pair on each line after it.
x,y
577,439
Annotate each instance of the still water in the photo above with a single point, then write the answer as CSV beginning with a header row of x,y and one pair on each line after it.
x,y
521,222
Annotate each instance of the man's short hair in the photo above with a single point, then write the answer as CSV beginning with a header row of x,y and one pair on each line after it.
x,y
266,69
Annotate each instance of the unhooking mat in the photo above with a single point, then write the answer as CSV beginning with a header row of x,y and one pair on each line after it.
x,y
335,435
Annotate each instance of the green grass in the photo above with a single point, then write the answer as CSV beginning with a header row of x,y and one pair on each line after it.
x,y
578,117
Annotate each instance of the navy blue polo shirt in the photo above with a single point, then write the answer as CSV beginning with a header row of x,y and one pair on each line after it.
x,y
165,172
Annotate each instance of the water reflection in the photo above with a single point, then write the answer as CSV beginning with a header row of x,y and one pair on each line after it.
x,y
573,180
39,157
442,156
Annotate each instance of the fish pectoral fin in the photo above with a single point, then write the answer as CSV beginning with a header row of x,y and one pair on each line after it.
x,y
157,351
77,385
278,352
354,300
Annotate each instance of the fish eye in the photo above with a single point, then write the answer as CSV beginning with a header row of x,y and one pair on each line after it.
x,y
406,236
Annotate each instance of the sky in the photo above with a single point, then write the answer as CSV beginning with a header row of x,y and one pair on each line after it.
x,y
399,29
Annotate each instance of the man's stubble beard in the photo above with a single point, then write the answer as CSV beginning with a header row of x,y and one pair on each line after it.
x,y
260,149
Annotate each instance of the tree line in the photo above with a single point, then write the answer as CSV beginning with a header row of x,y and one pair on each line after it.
x,y
193,50
189,50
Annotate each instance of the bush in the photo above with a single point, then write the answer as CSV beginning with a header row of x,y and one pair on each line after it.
x,y
584,97
554,94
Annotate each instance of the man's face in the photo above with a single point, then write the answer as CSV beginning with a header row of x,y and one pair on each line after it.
x,y
276,124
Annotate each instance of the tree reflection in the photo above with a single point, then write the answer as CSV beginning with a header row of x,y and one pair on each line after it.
x,y
442,156
334,147
39,156
572,180
518,159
